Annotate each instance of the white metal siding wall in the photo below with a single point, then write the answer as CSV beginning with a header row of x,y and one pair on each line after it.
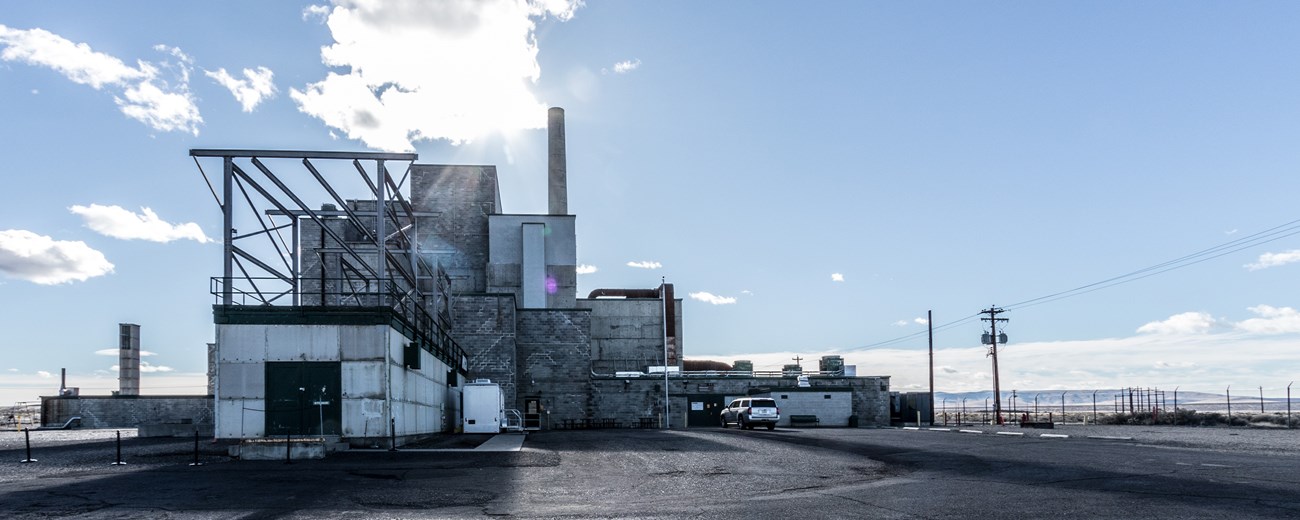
x,y
372,372
832,408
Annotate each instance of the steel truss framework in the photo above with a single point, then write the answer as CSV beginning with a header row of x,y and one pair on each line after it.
x,y
380,265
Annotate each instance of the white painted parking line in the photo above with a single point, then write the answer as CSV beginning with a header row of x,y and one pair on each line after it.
x,y
971,431
1110,438
940,430
1055,436
911,428
1184,463
1216,466
1010,433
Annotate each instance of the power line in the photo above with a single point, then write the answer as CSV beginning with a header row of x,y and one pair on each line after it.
x,y
901,339
1263,237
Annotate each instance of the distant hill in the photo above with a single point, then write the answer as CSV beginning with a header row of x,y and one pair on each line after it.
x,y
1084,397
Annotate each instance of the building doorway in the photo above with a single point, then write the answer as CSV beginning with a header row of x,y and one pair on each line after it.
x,y
302,398
532,413
703,410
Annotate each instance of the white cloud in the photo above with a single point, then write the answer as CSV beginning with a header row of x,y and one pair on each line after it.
x,y
250,91
118,222
159,108
900,323
712,298
1268,260
586,269
920,321
1272,320
624,67
140,92
44,374
116,352
26,386
43,260
837,277
318,12
645,264
747,292
76,61
1185,323
1206,362
146,368
430,70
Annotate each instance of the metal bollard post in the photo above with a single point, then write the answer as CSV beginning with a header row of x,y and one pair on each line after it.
x,y
28,435
288,448
119,451
196,449
392,434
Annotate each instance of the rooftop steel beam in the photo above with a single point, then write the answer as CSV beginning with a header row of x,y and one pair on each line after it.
x,y
302,154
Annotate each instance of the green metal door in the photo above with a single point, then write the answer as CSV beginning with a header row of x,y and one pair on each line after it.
x,y
302,398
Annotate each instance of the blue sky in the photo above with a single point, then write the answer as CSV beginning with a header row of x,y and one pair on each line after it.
x,y
812,179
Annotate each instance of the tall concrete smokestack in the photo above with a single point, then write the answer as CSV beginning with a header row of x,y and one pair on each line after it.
x,y
557,172
128,359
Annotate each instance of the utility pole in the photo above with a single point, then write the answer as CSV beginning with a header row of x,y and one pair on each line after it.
x,y
993,320
663,295
929,324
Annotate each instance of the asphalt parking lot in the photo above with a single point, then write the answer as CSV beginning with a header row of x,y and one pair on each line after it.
x,y
1102,472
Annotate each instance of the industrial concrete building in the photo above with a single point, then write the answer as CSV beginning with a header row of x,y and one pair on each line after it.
x,y
154,415
363,317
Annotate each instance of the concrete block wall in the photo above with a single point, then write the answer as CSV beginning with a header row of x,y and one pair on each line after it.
x,y
627,334
127,411
554,348
484,326
832,407
628,401
870,399
314,267
463,196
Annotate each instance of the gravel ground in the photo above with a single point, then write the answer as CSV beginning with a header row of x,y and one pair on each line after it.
x,y
1256,440
57,451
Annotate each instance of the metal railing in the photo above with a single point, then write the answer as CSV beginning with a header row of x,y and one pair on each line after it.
x,y
514,420
431,330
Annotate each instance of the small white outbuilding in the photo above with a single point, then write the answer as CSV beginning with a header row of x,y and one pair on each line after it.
x,y
484,408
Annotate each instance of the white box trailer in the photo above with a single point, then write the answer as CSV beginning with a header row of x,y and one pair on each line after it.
x,y
484,407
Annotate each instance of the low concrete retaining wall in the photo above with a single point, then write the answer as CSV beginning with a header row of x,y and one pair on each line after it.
x,y
111,411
